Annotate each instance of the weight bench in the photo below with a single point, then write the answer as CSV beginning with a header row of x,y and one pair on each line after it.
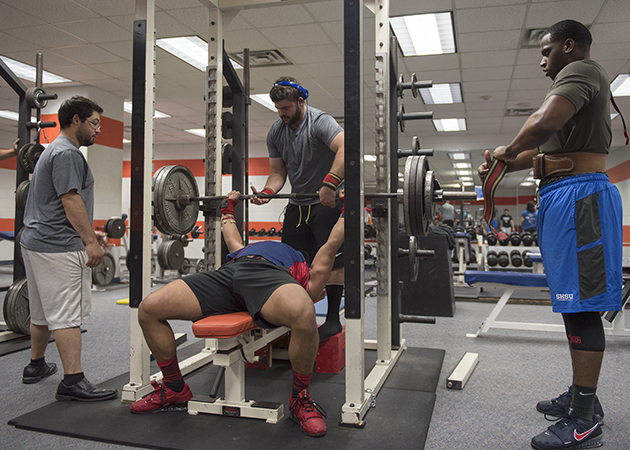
x,y
237,340
524,280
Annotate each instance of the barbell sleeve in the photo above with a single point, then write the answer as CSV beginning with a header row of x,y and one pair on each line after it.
x,y
417,115
455,195
416,85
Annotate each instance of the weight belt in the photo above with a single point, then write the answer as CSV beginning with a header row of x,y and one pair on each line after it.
x,y
493,178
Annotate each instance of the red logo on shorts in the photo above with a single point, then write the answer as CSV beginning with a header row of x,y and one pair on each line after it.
x,y
574,339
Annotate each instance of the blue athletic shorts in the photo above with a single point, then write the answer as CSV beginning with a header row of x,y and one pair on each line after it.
x,y
580,237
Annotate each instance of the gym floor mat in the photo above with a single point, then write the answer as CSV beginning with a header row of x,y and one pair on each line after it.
x,y
400,418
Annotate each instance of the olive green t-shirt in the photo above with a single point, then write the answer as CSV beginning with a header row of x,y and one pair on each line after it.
x,y
585,84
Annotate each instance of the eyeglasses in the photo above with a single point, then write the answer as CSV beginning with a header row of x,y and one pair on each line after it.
x,y
95,123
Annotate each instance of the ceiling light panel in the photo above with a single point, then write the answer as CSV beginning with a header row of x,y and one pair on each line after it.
x,y
424,34
450,124
442,94
190,49
27,72
264,100
156,114
620,86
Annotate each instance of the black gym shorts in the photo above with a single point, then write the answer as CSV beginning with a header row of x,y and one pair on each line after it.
x,y
244,284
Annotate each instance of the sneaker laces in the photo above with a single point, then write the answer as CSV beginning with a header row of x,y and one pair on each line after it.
x,y
308,404
557,400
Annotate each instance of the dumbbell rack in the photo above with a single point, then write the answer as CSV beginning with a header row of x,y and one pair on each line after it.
x,y
485,248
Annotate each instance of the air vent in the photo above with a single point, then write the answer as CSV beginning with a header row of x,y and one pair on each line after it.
x,y
263,58
519,112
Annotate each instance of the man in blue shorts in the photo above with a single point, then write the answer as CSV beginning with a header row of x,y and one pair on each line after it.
x,y
579,220
271,281
306,145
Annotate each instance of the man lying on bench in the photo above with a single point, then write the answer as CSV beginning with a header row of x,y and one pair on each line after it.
x,y
271,281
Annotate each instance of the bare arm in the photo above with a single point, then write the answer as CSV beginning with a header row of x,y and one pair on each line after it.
x,y
277,178
326,194
324,260
231,234
6,153
78,217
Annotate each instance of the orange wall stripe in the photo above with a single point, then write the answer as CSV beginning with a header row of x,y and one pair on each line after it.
x,y
9,164
619,173
7,224
111,134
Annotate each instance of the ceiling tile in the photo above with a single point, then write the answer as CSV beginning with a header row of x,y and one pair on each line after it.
x,y
277,16
236,41
543,15
481,74
431,62
110,7
88,54
46,36
197,19
460,4
314,54
493,18
54,11
296,35
489,40
610,33
325,11
488,59
123,49
530,84
614,11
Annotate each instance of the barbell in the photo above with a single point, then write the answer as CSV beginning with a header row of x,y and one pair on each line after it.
x,y
176,197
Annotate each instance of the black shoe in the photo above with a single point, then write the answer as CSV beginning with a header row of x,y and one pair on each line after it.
x,y
559,407
84,391
32,374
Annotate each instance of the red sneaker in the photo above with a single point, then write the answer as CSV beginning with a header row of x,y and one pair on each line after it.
x,y
308,414
162,399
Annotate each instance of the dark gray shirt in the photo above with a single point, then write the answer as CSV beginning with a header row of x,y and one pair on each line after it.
x,y
306,152
60,169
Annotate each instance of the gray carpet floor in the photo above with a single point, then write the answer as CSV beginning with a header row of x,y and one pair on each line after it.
x,y
495,410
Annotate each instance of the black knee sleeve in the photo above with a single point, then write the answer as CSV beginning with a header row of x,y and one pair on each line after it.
x,y
585,331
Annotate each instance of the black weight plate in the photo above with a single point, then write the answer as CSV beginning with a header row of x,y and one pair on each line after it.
x,y
168,184
32,155
21,194
15,309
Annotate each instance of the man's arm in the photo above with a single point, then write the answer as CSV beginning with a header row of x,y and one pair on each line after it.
x,y
6,153
78,217
324,259
327,194
231,234
275,181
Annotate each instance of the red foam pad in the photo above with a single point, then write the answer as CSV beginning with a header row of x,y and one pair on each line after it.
x,y
224,325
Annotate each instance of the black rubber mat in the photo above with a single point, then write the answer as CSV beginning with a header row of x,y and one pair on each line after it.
x,y
400,418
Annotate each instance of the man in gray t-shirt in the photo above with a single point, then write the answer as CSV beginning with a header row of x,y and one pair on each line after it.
x,y
306,145
59,248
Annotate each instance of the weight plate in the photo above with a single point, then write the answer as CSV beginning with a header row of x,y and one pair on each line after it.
x,y
228,97
226,159
103,274
32,155
429,189
414,263
32,98
415,145
171,255
21,194
185,268
22,160
115,227
419,220
18,247
401,120
399,87
16,312
227,121
201,266
408,204
414,85
168,184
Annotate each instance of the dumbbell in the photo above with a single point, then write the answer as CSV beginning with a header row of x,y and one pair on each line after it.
x,y
504,242
493,260
472,232
515,239
515,258
527,239
504,259
252,232
492,239
262,232
459,229
271,232
367,251
535,239
526,259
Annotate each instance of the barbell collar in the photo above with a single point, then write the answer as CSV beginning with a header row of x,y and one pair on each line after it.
x,y
47,96
421,253
418,115
40,124
454,195
406,85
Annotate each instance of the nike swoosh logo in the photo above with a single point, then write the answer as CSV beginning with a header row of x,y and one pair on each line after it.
x,y
338,254
581,436
586,394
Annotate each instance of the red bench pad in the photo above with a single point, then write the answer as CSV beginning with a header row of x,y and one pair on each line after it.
x,y
224,325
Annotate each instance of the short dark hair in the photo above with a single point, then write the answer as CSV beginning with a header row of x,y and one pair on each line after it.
x,y
81,106
279,93
531,206
570,29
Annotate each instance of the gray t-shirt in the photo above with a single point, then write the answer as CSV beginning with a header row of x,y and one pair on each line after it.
x,y
448,211
306,152
60,169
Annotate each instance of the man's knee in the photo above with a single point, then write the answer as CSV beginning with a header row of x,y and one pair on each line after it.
x,y
585,331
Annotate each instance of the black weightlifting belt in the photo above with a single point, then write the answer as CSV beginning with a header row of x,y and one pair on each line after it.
x,y
559,165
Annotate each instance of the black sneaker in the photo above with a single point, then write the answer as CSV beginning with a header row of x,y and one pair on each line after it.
x,y
570,432
559,407
33,374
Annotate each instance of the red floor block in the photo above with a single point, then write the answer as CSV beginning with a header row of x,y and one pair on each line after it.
x,y
331,355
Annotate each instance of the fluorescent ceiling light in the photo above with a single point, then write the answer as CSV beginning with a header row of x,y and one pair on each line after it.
x,y
458,155
264,100
464,165
450,124
191,49
464,173
527,183
197,132
621,85
424,34
126,141
370,158
442,94
156,114
27,72
613,116
12,115
468,183
466,178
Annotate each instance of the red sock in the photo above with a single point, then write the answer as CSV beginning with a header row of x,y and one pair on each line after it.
x,y
300,382
172,375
